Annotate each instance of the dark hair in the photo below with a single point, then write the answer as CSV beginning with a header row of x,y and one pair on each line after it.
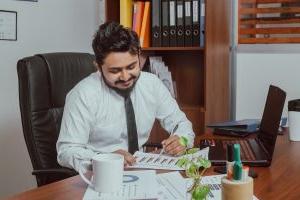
x,y
113,37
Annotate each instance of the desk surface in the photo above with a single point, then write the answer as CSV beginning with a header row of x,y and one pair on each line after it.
x,y
279,181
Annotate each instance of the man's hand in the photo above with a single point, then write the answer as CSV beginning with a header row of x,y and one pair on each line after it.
x,y
128,157
172,146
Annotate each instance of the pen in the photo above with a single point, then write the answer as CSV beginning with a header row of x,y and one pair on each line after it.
x,y
172,133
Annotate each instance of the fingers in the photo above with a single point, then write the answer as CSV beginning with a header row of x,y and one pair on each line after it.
x,y
172,146
129,159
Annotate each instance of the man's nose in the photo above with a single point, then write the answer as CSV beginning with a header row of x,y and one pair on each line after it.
x,y
124,75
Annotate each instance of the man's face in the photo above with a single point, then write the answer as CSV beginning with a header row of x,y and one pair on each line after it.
x,y
121,69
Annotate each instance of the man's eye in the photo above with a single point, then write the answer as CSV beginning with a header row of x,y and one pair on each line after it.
x,y
131,67
114,71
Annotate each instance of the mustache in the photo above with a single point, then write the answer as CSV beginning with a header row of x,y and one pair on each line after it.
x,y
121,81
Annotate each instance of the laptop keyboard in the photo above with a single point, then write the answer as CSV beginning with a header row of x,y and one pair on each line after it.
x,y
246,151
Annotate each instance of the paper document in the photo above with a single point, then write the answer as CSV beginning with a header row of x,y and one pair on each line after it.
x,y
154,161
214,183
136,185
171,186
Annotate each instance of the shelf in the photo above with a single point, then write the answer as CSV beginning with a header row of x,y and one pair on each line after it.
x,y
192,108
173,49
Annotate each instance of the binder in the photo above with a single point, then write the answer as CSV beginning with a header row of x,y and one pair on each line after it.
x,y
156,24
126,13
145,30
196,23
138,10
202,23
172,20
165,23
180,23
188,37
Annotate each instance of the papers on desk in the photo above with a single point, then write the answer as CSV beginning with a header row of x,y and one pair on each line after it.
x,y
165,186
171,186
154,161
136,185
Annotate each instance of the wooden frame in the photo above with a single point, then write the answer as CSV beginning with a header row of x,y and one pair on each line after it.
x,y
269,21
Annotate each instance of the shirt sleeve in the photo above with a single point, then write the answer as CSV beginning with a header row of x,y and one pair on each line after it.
x,y
74,132
170,115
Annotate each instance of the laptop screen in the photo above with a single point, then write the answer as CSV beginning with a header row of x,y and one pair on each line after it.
x,y
271,118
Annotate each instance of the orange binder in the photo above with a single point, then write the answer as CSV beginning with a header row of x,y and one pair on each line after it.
x,y
145,30
138,11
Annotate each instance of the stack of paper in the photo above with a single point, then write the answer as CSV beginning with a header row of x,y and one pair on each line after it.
x,y
156,161
158,67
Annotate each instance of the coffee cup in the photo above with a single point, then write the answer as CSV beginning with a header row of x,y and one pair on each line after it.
x,y
294,119
107,172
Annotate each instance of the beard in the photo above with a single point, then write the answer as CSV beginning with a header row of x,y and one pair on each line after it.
x,y
123,92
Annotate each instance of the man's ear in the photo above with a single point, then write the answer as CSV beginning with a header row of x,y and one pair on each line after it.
x,y
96,65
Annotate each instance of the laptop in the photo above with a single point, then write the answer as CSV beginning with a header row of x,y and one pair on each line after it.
x,y
258,150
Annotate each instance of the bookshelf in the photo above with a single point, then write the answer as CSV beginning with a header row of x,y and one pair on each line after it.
x,y
201,74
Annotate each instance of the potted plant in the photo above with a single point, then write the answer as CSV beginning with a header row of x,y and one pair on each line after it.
x,y
194,167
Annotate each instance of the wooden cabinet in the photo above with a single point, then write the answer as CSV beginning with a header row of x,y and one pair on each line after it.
x,y
201,74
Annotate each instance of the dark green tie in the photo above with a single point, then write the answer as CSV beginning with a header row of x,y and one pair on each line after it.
x,y
133,145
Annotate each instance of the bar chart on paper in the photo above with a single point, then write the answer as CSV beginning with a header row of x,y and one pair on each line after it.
x,y
156,161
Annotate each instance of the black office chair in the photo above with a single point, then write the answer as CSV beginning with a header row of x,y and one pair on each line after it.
x,y
44,81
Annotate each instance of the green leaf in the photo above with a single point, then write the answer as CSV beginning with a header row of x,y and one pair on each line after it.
x,y
181,162
192,150
192,170
200,192
183,141
204,163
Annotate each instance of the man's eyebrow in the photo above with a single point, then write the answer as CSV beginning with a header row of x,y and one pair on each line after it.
x,y
133,63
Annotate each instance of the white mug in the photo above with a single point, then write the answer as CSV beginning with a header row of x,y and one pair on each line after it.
x,y
107,172
294,125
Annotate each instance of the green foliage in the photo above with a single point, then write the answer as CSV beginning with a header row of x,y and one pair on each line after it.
x,y
200,192
183,141
194,168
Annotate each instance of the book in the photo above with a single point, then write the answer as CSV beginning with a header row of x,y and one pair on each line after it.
x,y
239,127
126,13
245,125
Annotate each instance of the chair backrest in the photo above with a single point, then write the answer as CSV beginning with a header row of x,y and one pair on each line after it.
x,y
44,81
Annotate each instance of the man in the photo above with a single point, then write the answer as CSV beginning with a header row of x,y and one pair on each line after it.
x,y
98,115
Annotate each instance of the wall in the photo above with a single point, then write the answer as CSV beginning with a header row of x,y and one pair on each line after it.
x,y
258,66
255,67
43,26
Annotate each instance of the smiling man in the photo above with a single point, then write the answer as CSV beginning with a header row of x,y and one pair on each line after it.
x,y
114,109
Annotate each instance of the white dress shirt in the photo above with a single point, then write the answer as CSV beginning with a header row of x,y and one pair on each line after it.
x,y
94,118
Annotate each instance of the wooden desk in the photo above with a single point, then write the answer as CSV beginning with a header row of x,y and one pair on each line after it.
x,y
280,181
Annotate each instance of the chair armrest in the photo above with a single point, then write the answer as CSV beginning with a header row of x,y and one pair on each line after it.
x,y
65,171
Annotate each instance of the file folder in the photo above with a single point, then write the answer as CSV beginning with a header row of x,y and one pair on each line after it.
x,y
172,12
126,13
188,38
180,23
156,23
138,10
196,22
165,23
145,30
202,23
